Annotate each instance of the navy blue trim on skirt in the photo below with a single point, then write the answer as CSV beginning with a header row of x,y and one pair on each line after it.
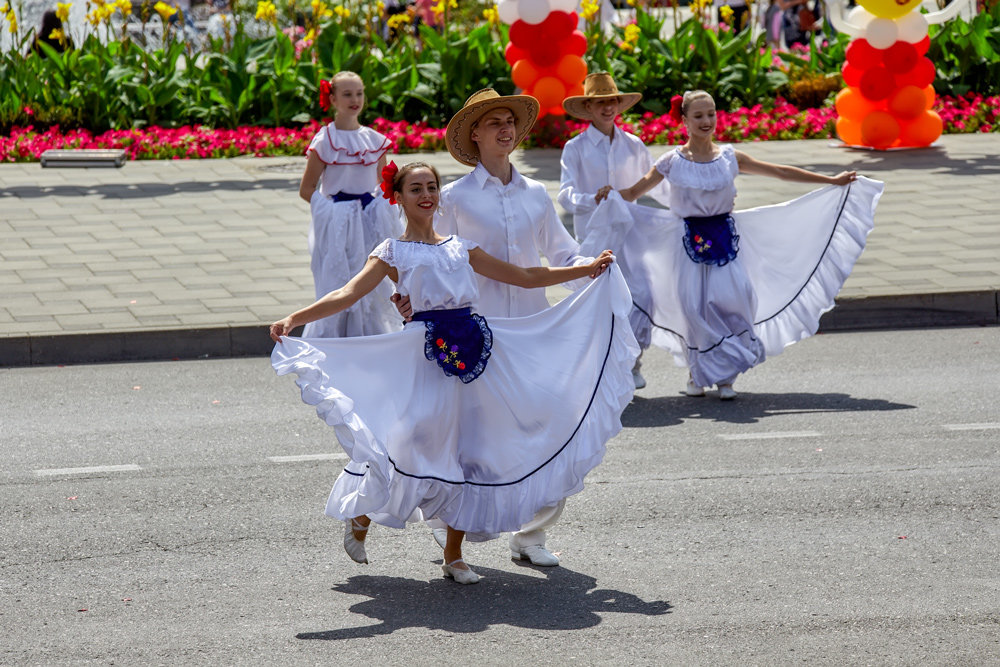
x,y
593,395
365,198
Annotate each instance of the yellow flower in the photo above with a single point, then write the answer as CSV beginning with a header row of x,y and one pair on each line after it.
x,y
62,10
5,9
341,11
380,7
310,36
589,9
438,7
321,10
13,22
164,10
125,6
58,34
726,12
491,15
397,21
266,11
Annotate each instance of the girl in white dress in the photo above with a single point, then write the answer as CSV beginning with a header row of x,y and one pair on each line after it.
x,y
476,424
723,290
344,162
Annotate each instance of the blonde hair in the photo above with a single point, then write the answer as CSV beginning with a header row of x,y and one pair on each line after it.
x,y
345,75
690,96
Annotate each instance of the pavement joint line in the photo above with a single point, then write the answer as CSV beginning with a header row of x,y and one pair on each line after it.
x,y
770,436
308,457
971,427
49,472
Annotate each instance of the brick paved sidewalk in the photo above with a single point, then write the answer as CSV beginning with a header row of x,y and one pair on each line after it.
x,y
163,259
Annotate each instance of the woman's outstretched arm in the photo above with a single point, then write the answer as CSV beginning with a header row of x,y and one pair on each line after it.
x,y
749,165
339,299
642,186
487,265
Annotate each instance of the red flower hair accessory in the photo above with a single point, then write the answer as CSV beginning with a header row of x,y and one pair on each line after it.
x,y
324,95
675,107
389,172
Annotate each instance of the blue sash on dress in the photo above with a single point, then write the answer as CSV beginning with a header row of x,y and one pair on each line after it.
x,y
458,340
711,239
365,197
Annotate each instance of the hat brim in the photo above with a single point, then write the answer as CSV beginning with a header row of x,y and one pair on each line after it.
x,y
576,106
458,136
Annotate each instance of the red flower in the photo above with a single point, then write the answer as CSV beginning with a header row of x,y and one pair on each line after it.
x,y
461,365
389,172
439,342
675,108
324,95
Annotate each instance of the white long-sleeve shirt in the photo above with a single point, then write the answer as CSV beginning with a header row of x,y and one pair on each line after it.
x,y
591,160
516,222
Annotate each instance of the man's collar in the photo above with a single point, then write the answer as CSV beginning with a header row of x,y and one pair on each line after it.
x,y
482,176
595,135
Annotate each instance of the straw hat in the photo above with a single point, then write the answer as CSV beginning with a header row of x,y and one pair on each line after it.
x,y
598,86
458,136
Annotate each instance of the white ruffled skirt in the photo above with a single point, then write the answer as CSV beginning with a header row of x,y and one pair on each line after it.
x,y
482,457
340,237
719,321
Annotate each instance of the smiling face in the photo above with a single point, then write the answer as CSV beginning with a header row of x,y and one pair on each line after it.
x,y
603,112
494,132
700,117
348,97
418,193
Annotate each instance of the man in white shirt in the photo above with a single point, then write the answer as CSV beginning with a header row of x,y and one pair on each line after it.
x,y
601,158
510,217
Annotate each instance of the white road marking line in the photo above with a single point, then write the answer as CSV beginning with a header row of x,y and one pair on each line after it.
x,y
971,427
308,457
770,436
131,467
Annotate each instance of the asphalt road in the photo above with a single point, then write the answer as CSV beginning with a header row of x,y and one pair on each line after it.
x,y
843,510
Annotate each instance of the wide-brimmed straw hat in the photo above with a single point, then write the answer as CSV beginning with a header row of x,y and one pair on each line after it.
x,y
598,86
458,136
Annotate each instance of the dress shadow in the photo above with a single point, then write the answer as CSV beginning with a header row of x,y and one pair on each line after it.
x,y
561,600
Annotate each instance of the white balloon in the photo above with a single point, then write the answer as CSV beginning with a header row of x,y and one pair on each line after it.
x,y
507,11
533,11
568,6
881,33
912,27
859,17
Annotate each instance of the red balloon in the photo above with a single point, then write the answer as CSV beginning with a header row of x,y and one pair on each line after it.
x,y
900,58
921,76
575,44
879,130
523,34
514,53
851,75
863,55
923,45
558,25
557,111
877,84
545,53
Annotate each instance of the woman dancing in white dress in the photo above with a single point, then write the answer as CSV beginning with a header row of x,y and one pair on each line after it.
x,y
724,289
476,424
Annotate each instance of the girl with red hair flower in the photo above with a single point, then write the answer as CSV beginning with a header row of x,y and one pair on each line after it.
x,y
345,161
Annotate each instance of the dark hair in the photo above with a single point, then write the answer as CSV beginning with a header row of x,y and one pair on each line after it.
x,y
397,182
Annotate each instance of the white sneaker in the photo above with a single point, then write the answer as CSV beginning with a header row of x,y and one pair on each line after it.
x,y
637,378
461,575
692,389
536,555
726,392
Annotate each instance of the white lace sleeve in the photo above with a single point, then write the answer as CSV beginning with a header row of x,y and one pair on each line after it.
x,y
662,163
384,251
468,245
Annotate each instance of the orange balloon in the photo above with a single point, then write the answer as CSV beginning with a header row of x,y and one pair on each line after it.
x,y
922,131
852,104
572,70
549,91
879,130
930,95
524,74
849,131
908,102
557,111
575,90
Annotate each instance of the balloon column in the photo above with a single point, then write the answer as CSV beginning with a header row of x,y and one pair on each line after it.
x,y
545,50
888,98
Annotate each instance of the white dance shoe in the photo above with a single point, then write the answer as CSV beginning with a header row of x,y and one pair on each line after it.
x,y
354,547
692,389
726,392
637,378
462,576
536,555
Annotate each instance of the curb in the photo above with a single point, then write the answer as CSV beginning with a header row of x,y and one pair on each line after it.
x,y
916,311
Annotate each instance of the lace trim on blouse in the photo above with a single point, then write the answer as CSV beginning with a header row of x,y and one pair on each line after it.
x,y
714,175
363,147
447,256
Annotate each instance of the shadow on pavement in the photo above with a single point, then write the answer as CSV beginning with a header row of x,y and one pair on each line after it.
x,y
146,190
563,600
934,159
749,408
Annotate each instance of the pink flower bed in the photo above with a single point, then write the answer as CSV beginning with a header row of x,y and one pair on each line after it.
x,y
972,113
